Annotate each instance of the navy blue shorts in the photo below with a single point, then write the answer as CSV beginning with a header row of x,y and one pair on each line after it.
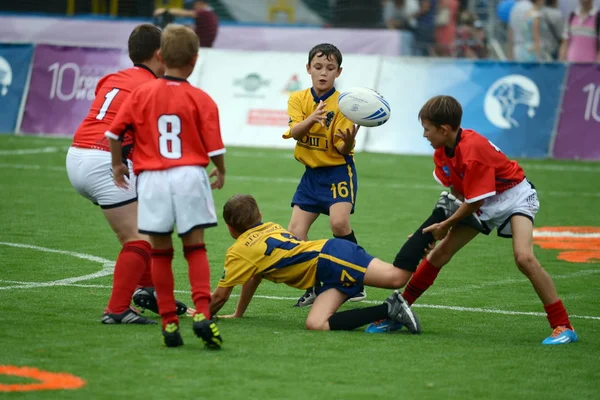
x,y
320,188
342,266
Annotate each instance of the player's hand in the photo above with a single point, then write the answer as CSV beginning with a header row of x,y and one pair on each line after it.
x,y
439,231
349,135
320,114
219,181
429,247
119,173
229,316
159,11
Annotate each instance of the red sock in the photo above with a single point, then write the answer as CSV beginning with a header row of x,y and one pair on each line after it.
x,y
557,314
199,274
130,266
164,284
146,279
420,281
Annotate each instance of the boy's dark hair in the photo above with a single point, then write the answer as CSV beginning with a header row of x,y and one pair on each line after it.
x,y
241,212
328,50
143,42
442,110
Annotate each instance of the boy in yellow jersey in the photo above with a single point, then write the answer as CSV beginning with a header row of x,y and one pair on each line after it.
x,y
324,144
267,250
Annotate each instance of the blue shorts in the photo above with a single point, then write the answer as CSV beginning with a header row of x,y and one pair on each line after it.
x,y
342,266
320,188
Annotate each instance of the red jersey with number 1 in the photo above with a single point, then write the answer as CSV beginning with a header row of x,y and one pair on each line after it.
x,y
111,92
476,168
172,124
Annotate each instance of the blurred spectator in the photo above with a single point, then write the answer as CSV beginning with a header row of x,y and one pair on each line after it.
x,y
400,14
445,26
518,15
554,20
581,39
535,33
471,41
425,32
357,14
206,20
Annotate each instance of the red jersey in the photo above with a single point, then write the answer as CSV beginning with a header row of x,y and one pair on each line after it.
x,y
111,92
476,168
172,124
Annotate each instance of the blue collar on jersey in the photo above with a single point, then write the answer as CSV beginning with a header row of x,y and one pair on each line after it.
x,y
174,78
324,97
450,151
146,68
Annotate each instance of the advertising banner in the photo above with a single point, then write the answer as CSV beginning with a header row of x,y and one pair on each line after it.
x,y
578,133
63,84
513,105
252,90
14,70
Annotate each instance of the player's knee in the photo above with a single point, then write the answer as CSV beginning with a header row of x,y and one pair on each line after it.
x,y
440,255
526,262
313,324
340,226
400,278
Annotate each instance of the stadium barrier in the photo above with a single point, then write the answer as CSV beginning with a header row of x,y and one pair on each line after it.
x,y
525,109
15,60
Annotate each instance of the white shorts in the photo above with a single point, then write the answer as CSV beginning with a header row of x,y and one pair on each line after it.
x,y
177,196
90,173
518,200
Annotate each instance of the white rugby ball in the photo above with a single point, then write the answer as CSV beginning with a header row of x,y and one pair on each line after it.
x,y
364,107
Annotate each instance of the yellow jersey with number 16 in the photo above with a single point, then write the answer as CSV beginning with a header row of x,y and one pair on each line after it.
x,y
318,147
275,254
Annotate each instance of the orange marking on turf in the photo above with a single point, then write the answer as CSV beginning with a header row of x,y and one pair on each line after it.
x,y
47,380
578,249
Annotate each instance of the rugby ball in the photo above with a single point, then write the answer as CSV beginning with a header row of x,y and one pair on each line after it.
x,y
364,107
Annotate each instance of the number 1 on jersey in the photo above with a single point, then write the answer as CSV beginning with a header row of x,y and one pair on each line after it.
x,y
169,143
109,97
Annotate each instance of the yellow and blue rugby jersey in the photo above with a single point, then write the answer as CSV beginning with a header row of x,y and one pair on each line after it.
x,y
318,147
272,252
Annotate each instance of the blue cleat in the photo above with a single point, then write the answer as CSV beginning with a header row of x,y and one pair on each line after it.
x,y
561,335
384,326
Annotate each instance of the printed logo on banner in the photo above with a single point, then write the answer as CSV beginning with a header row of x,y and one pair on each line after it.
x,y
6,76
292,85
505,95
72,81
251,83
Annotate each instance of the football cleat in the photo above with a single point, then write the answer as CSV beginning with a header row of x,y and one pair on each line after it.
x,y
384,326
400,311
208,331
360,296
129,316
307,298
561,335
449,203
172,336
145,299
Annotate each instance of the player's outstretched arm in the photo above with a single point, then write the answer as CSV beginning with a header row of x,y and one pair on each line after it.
x,y
248,290
319,116
219,298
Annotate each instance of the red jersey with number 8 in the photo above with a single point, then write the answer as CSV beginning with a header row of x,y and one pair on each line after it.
x,y
172,124
111,92
476,167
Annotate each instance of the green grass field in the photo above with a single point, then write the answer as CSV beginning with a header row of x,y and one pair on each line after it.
x,y
482,321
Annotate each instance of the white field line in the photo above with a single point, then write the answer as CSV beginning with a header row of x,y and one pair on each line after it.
x,y
295,181
22,152
107,268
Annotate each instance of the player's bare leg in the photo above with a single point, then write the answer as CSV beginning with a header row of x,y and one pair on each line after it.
x,y
384,275
299,225
563,332
339,220
325,305
300,222
123,221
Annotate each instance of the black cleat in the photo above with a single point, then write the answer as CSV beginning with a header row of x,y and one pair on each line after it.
x,y
208,331
145,298
129,316
171,335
